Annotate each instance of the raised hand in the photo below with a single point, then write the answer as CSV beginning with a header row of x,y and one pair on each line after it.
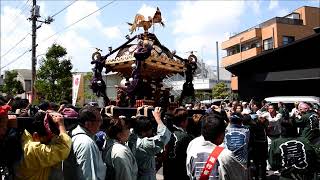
x,y
157,114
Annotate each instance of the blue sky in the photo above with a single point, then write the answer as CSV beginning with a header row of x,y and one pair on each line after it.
x,y
190,25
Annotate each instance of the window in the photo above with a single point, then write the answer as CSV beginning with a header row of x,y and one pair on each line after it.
x,y
245,47
267,44
237,48
287,40
229,52
255,44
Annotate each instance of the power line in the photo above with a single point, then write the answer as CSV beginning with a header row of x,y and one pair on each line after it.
x,y
22,9
20,5
50,18
78,21
15,45
63,9
16,59
14,28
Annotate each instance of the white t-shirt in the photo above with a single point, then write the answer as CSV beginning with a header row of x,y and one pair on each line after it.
x,y
226,168
274,123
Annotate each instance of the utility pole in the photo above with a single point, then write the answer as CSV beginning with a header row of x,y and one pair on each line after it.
x,y
218,74
0,68
35,14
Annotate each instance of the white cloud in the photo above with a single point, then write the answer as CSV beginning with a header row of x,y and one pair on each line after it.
x,y
273,4
79,49
43,9
146,11
255,6
198,43
14,27
195,17
200,24
9,38
278,11
112,32
81,9
42,34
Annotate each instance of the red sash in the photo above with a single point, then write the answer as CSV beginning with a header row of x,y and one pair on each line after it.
x,y
210,163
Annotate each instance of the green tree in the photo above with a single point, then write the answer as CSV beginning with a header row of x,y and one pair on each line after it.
x,y
220,91
88,94
234,96
54,77
11,86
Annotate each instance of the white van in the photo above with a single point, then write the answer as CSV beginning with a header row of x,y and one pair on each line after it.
x,y
290,100
211,101
214,101
293,99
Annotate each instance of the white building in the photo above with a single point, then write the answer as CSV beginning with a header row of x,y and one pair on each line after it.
x,y
24,76
204,80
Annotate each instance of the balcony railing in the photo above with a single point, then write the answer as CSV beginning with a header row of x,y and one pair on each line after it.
x,y
290,21
281,20
229,60
246,36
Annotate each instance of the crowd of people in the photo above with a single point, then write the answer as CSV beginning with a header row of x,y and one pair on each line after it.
x,y
235,141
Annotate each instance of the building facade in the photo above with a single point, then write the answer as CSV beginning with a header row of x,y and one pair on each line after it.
x,y
269,35
292,70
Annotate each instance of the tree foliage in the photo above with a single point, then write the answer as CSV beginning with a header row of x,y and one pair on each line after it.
x,y
54,77
203,95
220,91
88,94
11,86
